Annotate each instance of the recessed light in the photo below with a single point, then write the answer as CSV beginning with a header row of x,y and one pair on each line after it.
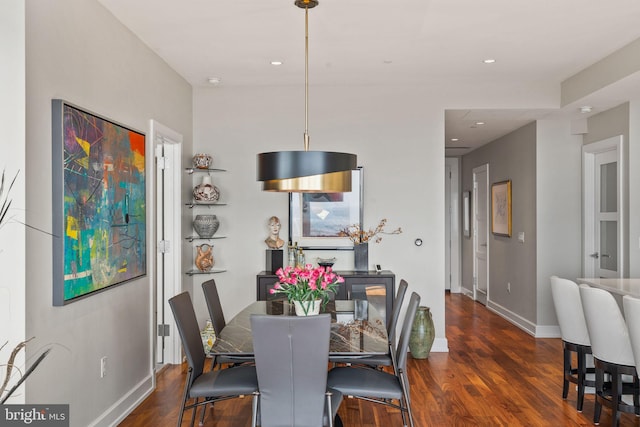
x,y
214,80
454,139
479,123
276,62
387,61
585,109
489,61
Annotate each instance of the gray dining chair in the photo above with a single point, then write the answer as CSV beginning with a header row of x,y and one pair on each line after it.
x,y
291,355
575,338
214,306
612,353
212,386
392,324
380,386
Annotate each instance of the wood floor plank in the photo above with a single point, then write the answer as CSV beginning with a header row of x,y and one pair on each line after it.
x,y
494,375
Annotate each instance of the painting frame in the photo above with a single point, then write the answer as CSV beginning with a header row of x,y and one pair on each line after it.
x,y
501,208
316,231
99,178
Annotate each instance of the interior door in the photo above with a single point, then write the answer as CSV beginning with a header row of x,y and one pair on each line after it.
x,y
604,256
168,148
481,233
447,228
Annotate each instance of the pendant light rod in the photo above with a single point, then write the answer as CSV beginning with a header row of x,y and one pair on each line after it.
x,y
306,78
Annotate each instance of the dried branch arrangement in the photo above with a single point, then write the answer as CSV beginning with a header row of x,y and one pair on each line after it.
x,y
358,236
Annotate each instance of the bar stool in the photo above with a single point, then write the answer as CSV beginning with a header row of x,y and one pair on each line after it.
x,y
632,315
612,353
575,337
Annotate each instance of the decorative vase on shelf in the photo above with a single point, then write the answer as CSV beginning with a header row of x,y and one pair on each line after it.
x,y
307,308
204,258
206,191
206,225
208,335
422,334
202,161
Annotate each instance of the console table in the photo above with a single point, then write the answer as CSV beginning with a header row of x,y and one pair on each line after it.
x,y
377,288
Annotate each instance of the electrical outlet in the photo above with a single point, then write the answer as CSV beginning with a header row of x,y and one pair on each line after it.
x,y
509,287
103,366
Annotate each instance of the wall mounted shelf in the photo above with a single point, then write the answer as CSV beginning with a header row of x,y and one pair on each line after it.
x,y
192,170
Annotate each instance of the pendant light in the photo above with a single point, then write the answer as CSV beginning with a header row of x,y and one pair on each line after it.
x,y
306,171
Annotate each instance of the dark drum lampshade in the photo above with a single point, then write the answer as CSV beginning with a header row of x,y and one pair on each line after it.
x,y
306,171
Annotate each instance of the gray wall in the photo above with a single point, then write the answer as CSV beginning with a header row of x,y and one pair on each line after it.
x,y
79,52
511,157
558,216
634,188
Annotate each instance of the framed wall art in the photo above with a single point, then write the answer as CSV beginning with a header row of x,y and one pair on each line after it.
x,y
501,208
315,219
99,203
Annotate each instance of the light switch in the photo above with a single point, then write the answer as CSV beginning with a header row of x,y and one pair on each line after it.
x,y
521,236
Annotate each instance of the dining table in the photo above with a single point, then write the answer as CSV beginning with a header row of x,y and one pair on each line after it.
x,y
353,334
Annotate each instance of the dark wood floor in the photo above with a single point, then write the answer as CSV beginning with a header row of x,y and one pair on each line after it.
x,y
493,375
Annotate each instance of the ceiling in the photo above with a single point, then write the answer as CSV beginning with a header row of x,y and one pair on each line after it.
x,y
436,43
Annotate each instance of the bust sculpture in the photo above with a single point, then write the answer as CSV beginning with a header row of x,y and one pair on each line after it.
x,y
274,241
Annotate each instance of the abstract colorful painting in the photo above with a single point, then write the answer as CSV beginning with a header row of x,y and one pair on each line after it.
x,y
99,203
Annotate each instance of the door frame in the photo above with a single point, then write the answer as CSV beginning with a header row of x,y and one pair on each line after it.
x,y
475,170
168,268
589,152
453,239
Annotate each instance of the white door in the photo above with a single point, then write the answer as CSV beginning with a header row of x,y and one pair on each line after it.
x,y
447,228
481,233
452,249
604,237
167,149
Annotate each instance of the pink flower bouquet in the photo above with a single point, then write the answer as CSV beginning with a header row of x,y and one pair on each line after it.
x,y
307,284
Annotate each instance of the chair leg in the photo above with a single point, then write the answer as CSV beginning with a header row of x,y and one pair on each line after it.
x,y
616,395
567,370
254,415
195,409
599,392
407,401
582,374
204,411
185,396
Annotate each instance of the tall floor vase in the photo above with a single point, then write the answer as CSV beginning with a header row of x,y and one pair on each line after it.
x,y
422,334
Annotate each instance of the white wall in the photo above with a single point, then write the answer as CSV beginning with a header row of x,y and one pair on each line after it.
x,y
398,139
79,52
634,188
12,161
558,214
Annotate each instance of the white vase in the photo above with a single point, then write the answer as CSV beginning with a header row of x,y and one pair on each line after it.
x,y
307,308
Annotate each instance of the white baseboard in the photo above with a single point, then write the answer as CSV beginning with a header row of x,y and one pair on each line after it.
x,y
440,345
548,331
522,323
125,405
